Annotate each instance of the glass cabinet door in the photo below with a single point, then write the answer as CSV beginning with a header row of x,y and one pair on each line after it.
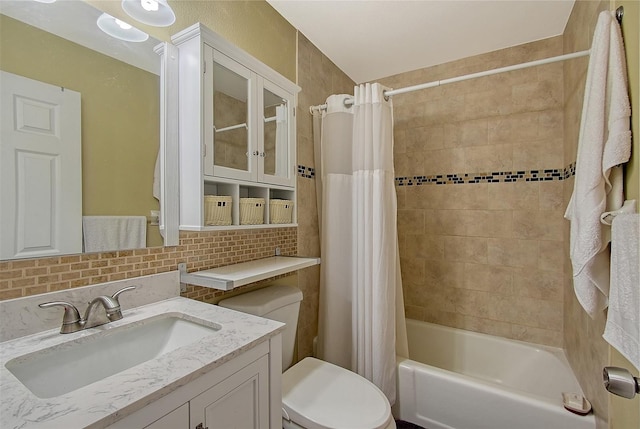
x,y
276,164
229,104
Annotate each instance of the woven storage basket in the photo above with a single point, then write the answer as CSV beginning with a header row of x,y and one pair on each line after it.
x,y
251,211
217,210
280,211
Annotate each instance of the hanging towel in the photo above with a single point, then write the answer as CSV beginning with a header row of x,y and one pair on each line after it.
x,y
106,233
604,143
622,330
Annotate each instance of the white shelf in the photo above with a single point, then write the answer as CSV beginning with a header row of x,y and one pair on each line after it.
x,y
237,227
232,276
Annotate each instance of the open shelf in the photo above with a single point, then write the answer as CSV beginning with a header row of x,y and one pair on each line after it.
x,y
232,276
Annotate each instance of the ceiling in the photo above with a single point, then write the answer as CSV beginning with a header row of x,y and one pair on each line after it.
x,y
370,39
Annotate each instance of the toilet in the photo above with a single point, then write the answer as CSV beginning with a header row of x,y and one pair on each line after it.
x,y
315,394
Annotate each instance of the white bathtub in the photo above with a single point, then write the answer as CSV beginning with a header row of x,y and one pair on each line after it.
x,y
458,379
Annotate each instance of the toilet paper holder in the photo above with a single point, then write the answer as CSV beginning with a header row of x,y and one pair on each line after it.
x,y
620,381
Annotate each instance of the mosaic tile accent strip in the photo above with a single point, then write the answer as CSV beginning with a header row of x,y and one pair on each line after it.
x,y
494,177
306,172
454,179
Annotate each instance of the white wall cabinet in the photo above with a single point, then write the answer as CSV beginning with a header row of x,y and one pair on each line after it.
x,y
244,392
237,127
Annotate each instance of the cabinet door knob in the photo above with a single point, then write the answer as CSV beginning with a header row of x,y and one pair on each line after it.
x,y
201,426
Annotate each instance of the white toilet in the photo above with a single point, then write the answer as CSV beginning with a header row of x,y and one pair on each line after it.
x,y
315,394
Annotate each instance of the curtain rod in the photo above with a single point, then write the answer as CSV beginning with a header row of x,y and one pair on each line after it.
x,y
619,14
392,92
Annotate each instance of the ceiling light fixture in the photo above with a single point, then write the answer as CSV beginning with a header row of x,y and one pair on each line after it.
x,y
120,29
46,1
151,12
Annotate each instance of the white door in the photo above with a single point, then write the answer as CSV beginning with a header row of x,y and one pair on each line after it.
x,y
40,169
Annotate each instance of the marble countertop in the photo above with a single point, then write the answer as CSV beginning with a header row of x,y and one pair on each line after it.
x,y
102,403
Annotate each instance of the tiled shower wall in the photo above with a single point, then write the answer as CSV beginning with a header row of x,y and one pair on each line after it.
x,y
586,350
479,174
319,78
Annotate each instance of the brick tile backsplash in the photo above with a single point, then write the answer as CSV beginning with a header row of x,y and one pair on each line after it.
x,y
200,250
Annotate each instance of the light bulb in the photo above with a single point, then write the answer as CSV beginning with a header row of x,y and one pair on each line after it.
x,y
123,25
149,5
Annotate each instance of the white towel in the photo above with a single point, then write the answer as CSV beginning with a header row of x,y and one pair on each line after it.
x,y
106,233
622,330
604,142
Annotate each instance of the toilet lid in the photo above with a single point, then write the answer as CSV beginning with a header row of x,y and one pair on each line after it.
x,y
320,395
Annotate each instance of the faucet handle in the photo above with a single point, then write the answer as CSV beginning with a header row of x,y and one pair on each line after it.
x,y
124,289
71,315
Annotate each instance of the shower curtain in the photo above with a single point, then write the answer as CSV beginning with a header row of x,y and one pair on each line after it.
x,y
361,321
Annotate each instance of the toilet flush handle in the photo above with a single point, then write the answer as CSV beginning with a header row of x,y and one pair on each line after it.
x,y
285,415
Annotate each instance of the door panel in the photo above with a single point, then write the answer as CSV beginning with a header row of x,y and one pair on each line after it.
x,y
40,169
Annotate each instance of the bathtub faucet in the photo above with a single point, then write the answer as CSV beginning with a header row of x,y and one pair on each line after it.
x,y
620,381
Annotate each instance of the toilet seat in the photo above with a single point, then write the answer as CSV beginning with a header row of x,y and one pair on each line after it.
x,y
320,395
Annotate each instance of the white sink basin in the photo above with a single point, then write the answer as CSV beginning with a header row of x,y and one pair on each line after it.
x,y
62,369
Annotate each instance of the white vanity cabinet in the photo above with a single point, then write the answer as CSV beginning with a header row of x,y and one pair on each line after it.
x,y
243,392
237,127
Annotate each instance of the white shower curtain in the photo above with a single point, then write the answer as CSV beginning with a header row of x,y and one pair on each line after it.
x,y
361,305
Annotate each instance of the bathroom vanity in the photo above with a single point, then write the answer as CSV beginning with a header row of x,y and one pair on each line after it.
x,y
174,363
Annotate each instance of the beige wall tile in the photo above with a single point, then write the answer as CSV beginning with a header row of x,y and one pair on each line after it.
x,y
441,161
541,225
551,196
488,223
486,326
489,158
423,139
414,312
535,283
462,134
508,122
521,127
539,155
488,278
411,221
551,256
413,270
479,304
536,335
424,246
465,249
512,252
444,274
513,196
446,222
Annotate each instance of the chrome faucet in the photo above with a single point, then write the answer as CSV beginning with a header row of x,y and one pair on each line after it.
x,y
72,322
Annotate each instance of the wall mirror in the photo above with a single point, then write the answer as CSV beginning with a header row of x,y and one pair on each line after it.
x,y
276,144
118,83
231,118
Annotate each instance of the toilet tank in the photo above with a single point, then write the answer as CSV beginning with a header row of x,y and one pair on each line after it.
x,y
275,302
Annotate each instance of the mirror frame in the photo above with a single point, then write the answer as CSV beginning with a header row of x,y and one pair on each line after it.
x,y
169,177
